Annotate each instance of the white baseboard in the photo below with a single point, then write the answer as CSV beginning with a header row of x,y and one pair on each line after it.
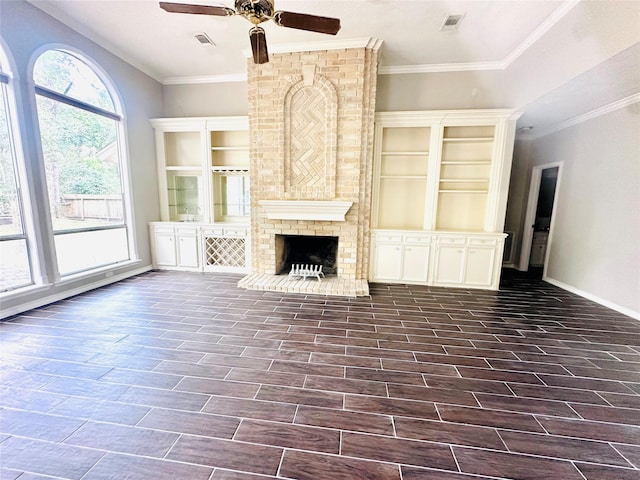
x,y
593,298
23,307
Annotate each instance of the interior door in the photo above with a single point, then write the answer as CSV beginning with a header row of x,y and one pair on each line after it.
x,y
541,222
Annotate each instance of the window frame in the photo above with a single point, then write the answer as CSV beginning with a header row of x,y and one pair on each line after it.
x,y
128,223
8,93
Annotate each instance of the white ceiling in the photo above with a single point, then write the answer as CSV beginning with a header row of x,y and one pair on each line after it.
x,y
493,34
163,45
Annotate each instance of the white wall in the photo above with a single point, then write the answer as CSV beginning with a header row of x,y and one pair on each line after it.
x,y
595,249
206,100
26,31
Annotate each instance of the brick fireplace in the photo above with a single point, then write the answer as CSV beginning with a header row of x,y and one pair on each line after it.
x,y
311,116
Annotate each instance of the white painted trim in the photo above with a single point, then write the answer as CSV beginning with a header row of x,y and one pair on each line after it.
x,y
593,298
305,210
331,44
543,28
441,67
23,307
390,69
530,216
611,107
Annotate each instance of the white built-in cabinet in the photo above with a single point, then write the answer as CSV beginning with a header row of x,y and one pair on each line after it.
x,y
175,246
401,256
203,176
439,196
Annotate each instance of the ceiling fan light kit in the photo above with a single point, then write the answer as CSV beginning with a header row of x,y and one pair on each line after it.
x,y
258,11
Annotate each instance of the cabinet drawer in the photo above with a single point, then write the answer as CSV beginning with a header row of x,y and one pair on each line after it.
x,y
388,238
163,230
483,241
452,241
213,231
422,239
186,230
235,231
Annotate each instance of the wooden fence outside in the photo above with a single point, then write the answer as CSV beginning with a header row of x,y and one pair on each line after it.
x,y
82,207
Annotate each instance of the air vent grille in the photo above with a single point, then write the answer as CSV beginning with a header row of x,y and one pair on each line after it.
x,y
451,22
204,39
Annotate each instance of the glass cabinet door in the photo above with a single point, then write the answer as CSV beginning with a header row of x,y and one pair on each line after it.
x,y
231,197
185,196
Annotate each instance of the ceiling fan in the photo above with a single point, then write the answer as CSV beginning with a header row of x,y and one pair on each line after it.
x,y
258,11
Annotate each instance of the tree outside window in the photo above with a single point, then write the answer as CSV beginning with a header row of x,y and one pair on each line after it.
x,y
79,129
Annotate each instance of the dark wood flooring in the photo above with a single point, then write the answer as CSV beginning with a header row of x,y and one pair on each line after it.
x,y
184,376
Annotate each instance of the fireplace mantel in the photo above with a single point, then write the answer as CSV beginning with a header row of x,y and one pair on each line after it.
x,y
331,211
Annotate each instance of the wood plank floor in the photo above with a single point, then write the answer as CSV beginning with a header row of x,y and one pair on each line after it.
x,y
174,375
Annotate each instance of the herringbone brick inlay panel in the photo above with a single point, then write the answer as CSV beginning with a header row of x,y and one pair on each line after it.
x,y
308,139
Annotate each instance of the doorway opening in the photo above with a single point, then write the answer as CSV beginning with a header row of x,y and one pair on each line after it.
x,y
537,233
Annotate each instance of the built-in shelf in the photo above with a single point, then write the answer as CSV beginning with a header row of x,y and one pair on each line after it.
x,y
465,162
468,139
406,154
182,169
463,191
404,176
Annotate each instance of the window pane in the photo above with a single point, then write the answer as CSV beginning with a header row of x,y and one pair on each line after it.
x,y
82,166
84,250
10,221
82,163
14,269
66,74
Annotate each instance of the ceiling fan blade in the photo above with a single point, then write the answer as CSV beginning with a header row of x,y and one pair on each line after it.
x,y
312,23
197,9
259,45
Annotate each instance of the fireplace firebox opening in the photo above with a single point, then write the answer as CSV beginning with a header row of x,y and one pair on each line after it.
x,y
306,250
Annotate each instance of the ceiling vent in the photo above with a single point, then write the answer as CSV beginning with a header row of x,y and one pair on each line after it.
x,y
204,39
451,22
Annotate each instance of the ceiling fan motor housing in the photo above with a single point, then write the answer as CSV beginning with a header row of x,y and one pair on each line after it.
x,y
256,11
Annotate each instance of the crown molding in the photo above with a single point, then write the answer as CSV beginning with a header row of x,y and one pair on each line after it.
x,y
441,67
543,28
331,44
370,43
611,107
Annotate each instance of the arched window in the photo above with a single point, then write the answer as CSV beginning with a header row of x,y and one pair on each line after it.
x,y
80,132
15,269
